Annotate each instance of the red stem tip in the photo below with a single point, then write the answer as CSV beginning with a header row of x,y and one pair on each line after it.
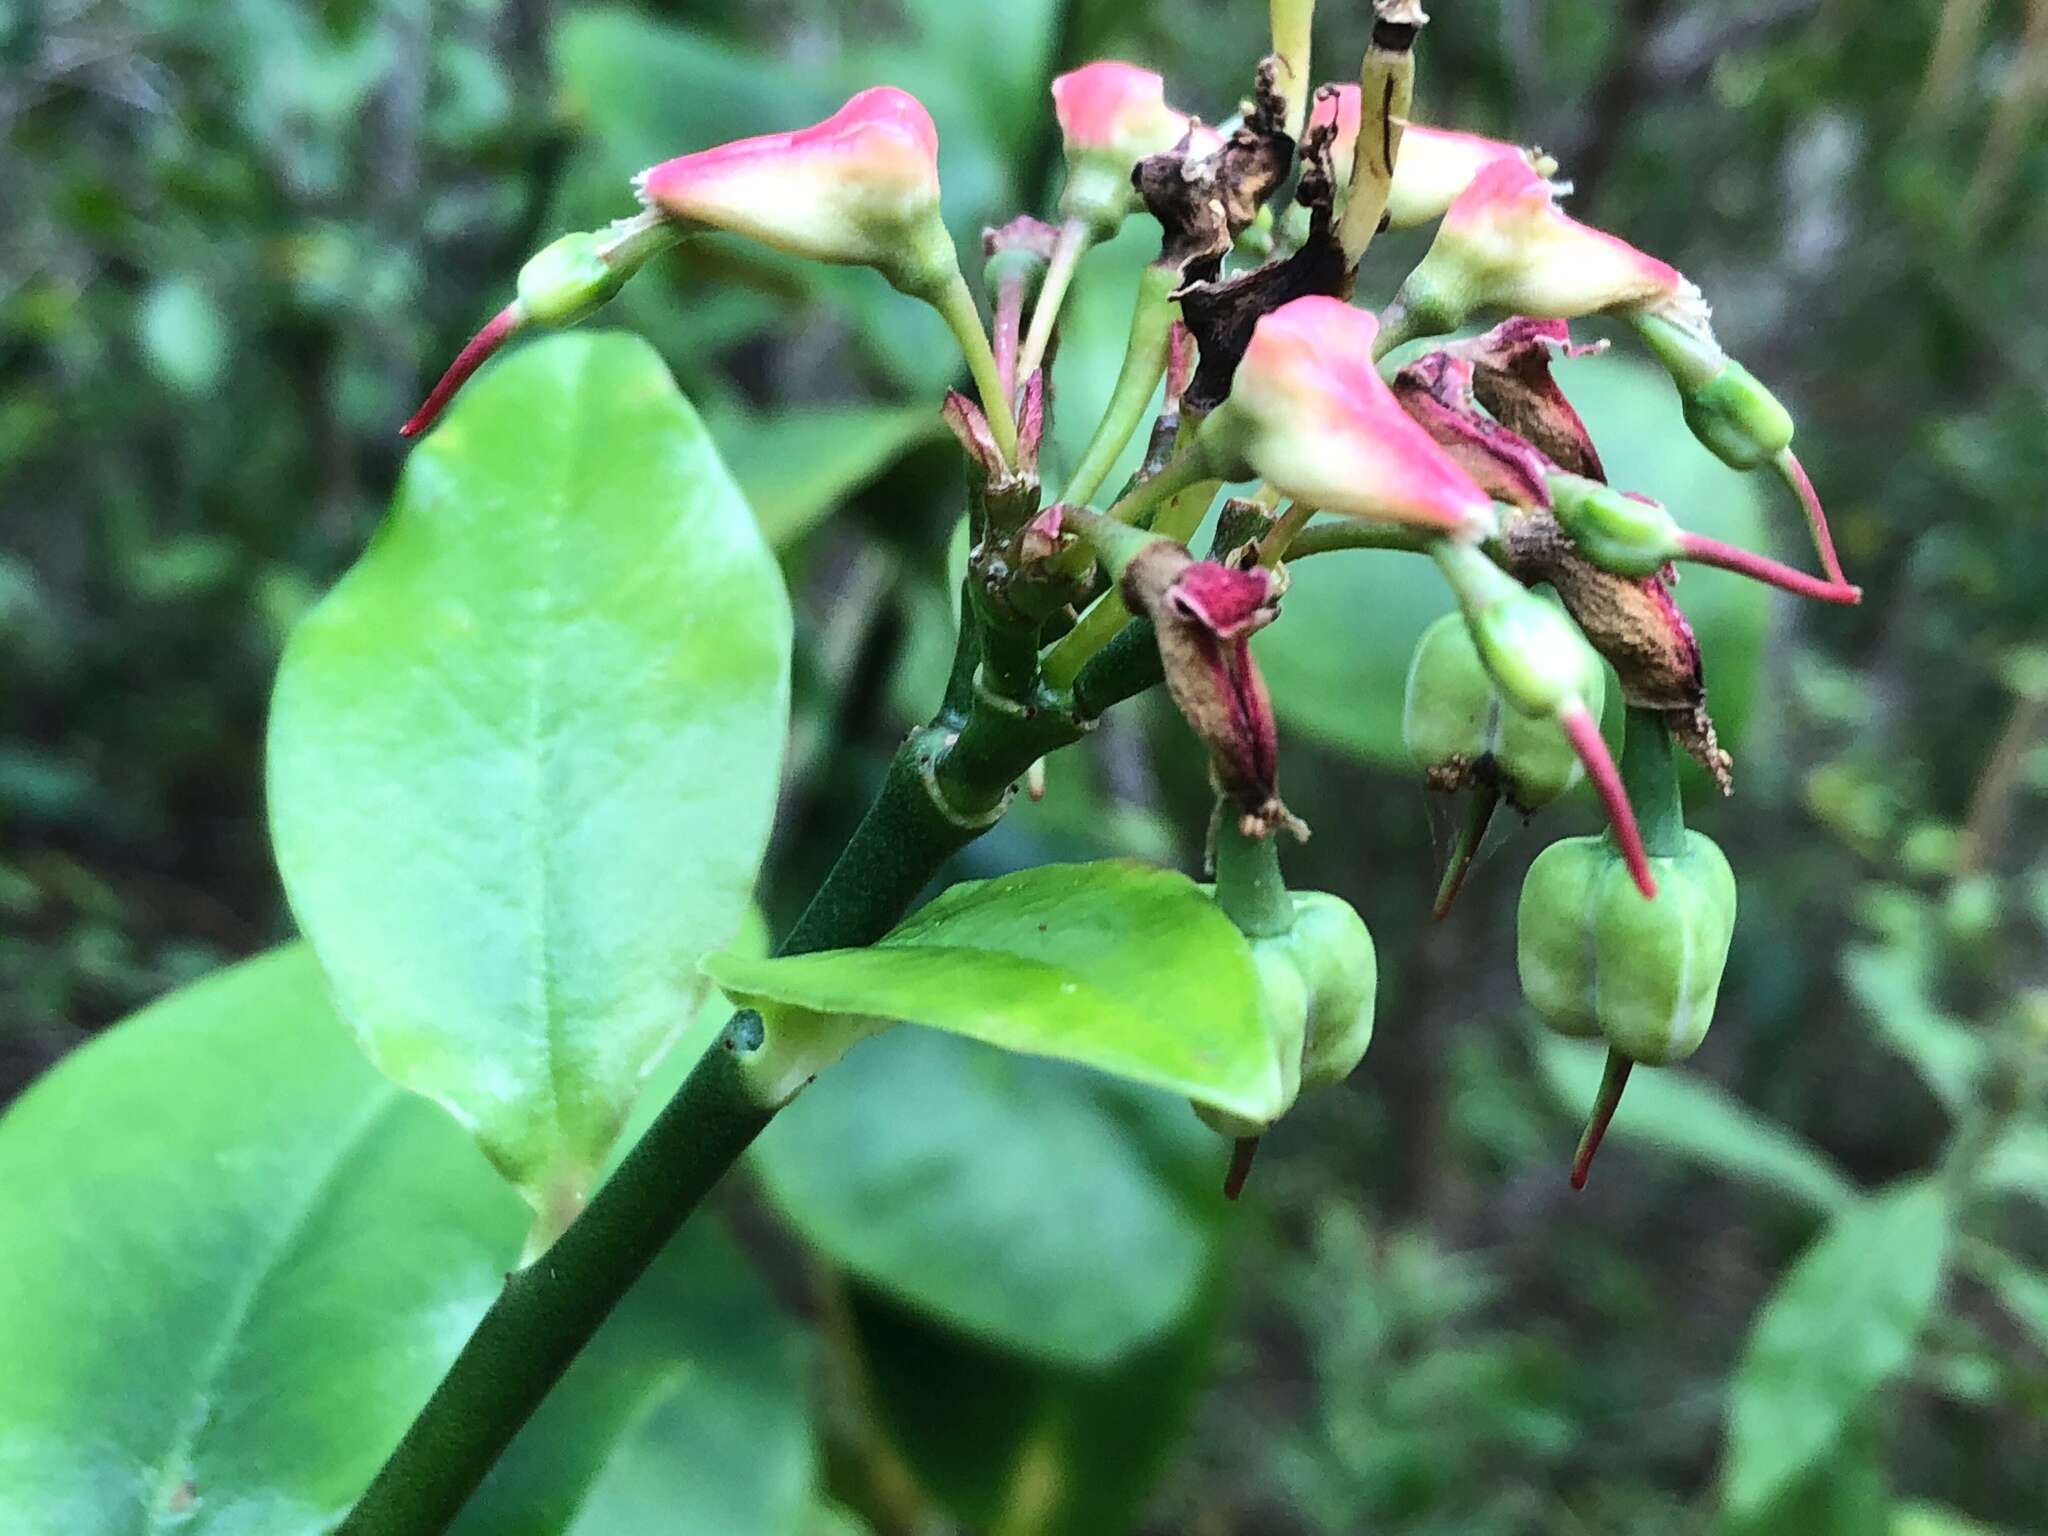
x,y
1583,731
467,361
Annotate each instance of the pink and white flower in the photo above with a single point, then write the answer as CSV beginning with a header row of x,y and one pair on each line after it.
x,y
1505,244
1309,413
861,188
1111,116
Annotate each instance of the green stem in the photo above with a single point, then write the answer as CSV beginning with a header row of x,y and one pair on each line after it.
x,y
1408,318
955,304
1144,365
1649,772
1067,252
1331,537
1188,492
1249,887
1471,834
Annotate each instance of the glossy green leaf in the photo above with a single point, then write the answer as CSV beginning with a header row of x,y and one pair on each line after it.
x,y
524,756
1054,1212
1117,966
1682,1113
237,1262
1337,661
1009,1443
797,466
1840,1326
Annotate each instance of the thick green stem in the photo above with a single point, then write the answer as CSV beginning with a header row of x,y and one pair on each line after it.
x,y
1249,887
1144,366
549,1310
1052,293
1328,538
955,304
1649,772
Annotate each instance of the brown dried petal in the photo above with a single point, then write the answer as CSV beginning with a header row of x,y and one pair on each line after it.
x,y
1436,390
1637,625
1204,615
1512,379
1204,204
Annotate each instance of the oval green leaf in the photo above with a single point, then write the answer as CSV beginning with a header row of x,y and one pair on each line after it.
x,y
1840,1326
1117,966
238,1260
1054,1212
523,757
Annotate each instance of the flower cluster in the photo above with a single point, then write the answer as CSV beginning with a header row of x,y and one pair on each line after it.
x,y
1468,452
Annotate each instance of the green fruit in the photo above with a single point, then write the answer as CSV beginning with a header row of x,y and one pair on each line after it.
x,y
1459,731
1596,958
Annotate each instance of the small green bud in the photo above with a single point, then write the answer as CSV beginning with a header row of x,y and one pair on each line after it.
x,y
567,280
1334,951
1738,420
1618,533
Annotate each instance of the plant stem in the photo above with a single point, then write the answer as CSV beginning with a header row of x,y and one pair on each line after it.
x,y
1249,887
1188,492
549,1310
1386,85
1067,252
1144,365
1329,538
955,304
1650,775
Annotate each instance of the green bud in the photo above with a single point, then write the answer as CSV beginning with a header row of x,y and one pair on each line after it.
x,y
1596,958
1617,533
567,280
1284,1019
1739,420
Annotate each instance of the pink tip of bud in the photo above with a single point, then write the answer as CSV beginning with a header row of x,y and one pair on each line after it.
x,y
1241,1154
467,361
1816,519
1113,106
1729,557
1583,732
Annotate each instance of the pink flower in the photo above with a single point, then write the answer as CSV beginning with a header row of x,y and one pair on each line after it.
x,y
1505,244
860,188
1111,116
1309,413
1434,164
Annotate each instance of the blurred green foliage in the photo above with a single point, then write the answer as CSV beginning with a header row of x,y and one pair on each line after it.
x,y
238,239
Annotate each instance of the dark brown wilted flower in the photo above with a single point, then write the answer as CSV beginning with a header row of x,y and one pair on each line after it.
x,y
1204,614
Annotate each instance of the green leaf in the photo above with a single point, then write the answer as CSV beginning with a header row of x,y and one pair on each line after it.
x,y
1009,1443
797,466
1934,1520
523,757
1684,1114
1840,1326
1337,662
237,1262
1117,966
1054,1212
1891,985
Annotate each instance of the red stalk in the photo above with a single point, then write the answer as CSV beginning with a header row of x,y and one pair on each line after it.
x,y
467,361
1605,1103
1729,557
1242,1151
1466,849
1816,519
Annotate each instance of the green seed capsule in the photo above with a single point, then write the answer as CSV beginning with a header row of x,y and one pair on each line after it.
x,y
1595,958
1459,731
567,280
